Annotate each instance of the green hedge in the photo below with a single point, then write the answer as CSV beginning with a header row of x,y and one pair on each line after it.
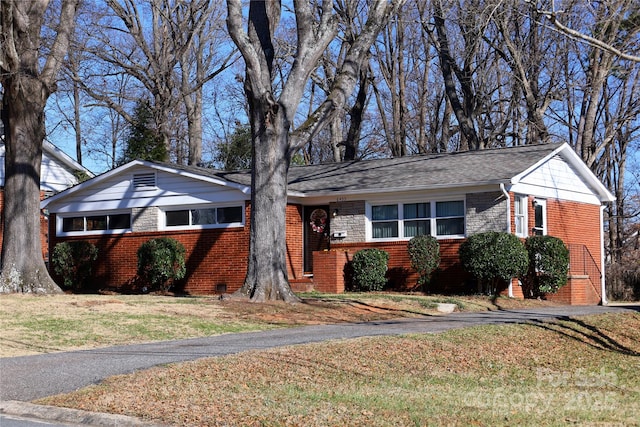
x,y
493,258
73,261
369,267
161,261
548,264
424,253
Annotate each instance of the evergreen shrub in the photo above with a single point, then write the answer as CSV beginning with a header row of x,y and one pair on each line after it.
x,y
73,261
369,267
161,262
548,264
424,253
493,258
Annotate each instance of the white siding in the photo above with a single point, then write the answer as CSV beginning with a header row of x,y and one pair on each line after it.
x,y
54,176
172,190
558,180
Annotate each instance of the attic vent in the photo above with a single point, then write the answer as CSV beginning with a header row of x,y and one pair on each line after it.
x,y
144,181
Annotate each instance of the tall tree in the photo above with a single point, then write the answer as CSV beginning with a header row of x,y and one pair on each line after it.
x,y
29,66
271,116
171,50
144,142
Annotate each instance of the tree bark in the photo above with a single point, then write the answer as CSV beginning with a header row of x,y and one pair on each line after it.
x,y
23,269
27,80
267,277
447,65
271,120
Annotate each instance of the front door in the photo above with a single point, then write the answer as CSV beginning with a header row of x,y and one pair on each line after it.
x,y
316,233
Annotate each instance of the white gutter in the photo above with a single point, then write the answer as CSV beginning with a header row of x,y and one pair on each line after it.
x,y
506,195
603,287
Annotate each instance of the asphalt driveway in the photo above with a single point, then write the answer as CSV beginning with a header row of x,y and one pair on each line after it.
x,y
31,377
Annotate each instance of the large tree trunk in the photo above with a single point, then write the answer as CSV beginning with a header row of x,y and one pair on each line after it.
x,y
267,277
271,120
28,78
23,269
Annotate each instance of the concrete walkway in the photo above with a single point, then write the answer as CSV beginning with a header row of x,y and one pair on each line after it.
x,y
23,379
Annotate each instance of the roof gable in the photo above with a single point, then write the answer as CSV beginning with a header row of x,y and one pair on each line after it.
x,y
141,183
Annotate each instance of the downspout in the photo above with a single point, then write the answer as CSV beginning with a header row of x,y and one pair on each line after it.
x,y
603,288
506,195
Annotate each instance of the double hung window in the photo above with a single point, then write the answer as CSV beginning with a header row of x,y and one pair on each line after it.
x,y
407,220
520,209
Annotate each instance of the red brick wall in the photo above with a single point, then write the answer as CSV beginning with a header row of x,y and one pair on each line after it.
x,y
449,278
295,251
577,223
216,259
573,222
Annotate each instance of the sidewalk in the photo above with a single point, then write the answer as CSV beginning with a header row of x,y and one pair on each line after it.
x,y
27,378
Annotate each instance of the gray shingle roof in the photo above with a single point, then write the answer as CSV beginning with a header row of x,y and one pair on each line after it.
x,y
411,172
490,166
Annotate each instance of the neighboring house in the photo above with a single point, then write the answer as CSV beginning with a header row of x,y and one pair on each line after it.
x,y
338,208
58,172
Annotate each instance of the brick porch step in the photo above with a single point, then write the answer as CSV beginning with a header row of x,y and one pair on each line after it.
x,y
301,285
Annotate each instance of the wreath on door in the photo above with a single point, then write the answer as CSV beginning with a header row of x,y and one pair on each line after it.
x,y
318,220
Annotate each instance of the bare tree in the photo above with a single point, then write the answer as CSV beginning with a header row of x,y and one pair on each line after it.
x,y
28,71
555,16
271,115
171,50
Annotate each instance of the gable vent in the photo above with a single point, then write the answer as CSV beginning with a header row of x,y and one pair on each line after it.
x,y
144,181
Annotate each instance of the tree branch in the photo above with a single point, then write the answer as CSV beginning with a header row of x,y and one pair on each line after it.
x,y
552,16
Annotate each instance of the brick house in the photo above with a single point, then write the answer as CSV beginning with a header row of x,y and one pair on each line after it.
x,y
58,172
338,208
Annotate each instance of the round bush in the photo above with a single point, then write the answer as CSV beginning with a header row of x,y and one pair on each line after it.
x,y
548,263
73,262
160,262
424,253
494,256
369,268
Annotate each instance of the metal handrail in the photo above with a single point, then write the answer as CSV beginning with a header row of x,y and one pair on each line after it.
x,y
582,262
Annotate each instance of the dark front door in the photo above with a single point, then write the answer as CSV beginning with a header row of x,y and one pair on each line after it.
x,y
316,233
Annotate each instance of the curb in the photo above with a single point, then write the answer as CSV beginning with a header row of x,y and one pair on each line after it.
x,y
71,416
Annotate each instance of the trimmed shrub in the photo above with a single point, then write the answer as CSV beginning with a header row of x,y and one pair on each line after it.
x,y
161,261
424,253
548,264
368,269
493,258
73,261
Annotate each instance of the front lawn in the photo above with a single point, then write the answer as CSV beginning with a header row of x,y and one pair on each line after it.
x,y
583,371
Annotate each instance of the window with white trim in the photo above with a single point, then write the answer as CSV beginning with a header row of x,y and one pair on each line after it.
x,y
99,223
540,217
521,219
205,217
407,220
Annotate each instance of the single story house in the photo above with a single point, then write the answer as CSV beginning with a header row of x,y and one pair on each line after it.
x,y
337,209
58,172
